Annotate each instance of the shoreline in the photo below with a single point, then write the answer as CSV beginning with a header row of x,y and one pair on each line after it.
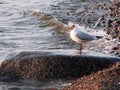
x,y
100,72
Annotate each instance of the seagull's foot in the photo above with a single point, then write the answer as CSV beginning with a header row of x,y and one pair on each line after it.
x,y
80,51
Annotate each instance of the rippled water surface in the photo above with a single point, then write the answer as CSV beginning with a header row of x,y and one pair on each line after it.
x,y
21,30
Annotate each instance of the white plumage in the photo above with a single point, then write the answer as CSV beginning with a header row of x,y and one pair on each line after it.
x,y
79,36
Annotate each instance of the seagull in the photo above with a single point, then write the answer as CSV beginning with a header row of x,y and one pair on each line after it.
x,y
79,36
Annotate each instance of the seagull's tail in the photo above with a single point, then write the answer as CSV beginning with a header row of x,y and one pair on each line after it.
x,y
99,37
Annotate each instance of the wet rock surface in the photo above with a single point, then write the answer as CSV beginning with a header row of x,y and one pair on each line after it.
x,y
113,22
112,26
40,67
108,79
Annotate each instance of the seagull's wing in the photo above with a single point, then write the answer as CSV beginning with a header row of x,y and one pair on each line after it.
x,y
84,36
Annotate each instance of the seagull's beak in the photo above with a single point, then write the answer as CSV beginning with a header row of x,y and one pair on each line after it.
x,y
71,27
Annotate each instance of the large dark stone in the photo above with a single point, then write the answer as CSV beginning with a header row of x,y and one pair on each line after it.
x,y
107,79
36,66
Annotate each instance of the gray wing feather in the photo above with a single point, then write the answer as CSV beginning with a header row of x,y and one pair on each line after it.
x,y
84,36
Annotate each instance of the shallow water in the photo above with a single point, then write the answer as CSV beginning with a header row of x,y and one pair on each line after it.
x,y
20,29
32,85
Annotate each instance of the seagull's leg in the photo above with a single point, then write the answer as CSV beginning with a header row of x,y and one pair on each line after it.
x,y
80,48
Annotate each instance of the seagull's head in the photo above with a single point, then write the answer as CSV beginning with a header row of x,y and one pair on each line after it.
x,y
71,27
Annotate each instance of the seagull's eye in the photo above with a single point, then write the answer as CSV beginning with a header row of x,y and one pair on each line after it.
x,y
71,27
